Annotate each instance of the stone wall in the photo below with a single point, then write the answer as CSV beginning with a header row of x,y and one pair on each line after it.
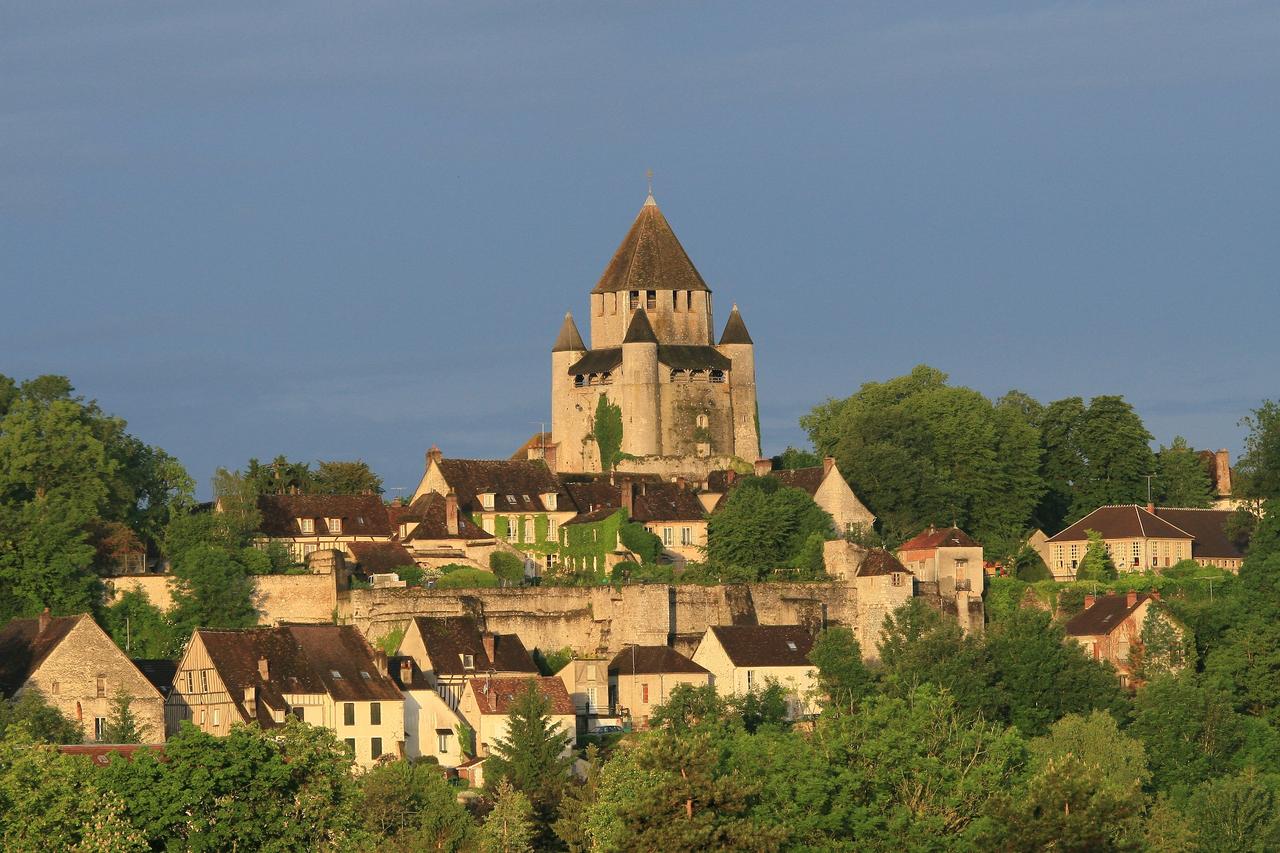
x,y
278,598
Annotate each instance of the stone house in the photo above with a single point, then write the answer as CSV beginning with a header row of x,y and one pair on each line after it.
x,y
437,533
824,483
746,658
1110,629
325,675
642,678
449,650
78,669
670,511
486,706
309,523
1146,538
587,682
1210,544
430,725
883,585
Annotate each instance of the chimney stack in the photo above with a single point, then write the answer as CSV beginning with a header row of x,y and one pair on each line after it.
x,y
680,483
1222,464
264,672
1155,593
1088,601
828,462
1151,508
451,513
380,661
406,671
488,639
763,467
629,498
1131,599
434,455
45,619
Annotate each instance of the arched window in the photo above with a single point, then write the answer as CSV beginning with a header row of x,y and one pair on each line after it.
x,y
697,374
717,376
79,712
592,379
579,381
703,421
606,377
677,374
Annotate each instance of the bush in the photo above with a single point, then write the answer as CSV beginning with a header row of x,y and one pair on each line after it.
x,y
645,545
411,575
507,567
465,578
1182,569
624,571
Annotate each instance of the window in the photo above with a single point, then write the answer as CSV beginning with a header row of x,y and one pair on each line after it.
x,y
704,449
375,713
897,578
650,299
579,381
487,524
375,747
675,300
468,661
308,550
333,673
697,374
686,535
667,537
442,742
528,530
297,712
1137,553
702,421
348,713
549,500
606,378
552,528
99,727
53,688
190,683
308,525
351,745
486,500
217,717
204,681
591,700
633,300
751,678
335,525
791,645
277,714
513,529
547,561
717,376
202,717
102,686
644,693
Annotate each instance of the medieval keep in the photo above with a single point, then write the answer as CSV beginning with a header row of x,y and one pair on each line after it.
x,y
687,404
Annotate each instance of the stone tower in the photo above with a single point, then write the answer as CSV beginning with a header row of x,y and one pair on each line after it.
x,y
687,405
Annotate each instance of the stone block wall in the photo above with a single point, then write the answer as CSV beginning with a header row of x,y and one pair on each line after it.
x,y
278,598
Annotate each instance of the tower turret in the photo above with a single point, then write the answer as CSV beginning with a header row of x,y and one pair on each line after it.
x,y
736,344
641,418
566,429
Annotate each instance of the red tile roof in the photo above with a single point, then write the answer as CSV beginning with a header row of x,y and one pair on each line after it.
x,y
447,638
652,660
1127,521
517,485
1106,614
497,695
880,562
428,514
362,515
935,537
1208,526
380,556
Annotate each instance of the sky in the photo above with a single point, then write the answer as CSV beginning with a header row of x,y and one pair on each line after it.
x,y
351,230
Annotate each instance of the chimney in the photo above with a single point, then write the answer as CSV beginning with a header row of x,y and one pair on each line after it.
x,y
251,702
629,498
380,661
1088,601
264,671
681,484
1151,508
45,619
406,671
1131,599
451,513
488,639
434,455
828,462
1222,464
729,477
549,456
763,467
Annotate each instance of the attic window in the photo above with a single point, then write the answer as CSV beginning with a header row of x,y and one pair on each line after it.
x,y
335,525
468,661
308,525
364,674
486,500
360,520
791,645
335,673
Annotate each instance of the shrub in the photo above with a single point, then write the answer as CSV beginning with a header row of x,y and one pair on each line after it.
x,y
645,545
507,567
467,578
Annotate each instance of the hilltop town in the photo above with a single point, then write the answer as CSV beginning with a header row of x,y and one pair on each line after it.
x,y
639,587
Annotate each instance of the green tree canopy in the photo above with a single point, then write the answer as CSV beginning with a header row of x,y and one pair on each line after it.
x,y
509,827
409,806
1258,470
842,676
764,526
1181,478
532,755
333,477
1096,563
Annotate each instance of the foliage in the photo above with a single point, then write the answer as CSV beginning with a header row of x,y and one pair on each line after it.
x,y
466,738
345,478
211,589
466,577
390,641
409,806
1181,478
39,721
1162,649
1246,665
532,753
606,429
140,628
509,827
764,526
549,663
793,458
578,801
1096,563
842,676
645,545
1257,472
1190,730
238,516
411,575
508,568
122,726
1029,566
1238,812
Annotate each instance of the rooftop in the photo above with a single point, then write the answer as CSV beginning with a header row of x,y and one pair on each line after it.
x,y
765,645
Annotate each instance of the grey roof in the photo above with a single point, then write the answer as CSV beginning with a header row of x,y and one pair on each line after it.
x,y
765,645
568,340
692,357
640,330
597,361
735,331
650,257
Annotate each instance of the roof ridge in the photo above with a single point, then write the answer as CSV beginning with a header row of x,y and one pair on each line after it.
x,y
1141,527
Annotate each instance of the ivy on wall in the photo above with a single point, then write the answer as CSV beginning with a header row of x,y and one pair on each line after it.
x,y
584,547
607,431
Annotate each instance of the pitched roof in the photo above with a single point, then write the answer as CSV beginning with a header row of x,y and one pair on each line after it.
x,y
666,502
568,340
595,500
23,647
497,695
1208,527
765,645
362,515
640,330
805,479
540,440
597,361
159,671
406,673
650,258
1127,521
652,660
939,537
517,485
1106,614
693,357
378,557
735,331
447,638
429,514
880,562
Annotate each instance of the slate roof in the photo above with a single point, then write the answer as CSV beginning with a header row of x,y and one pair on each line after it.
x,y
735,331
362,515
666,502
300,659
765,645
1208,527
568,340
693,357
378,557
447,638
23,647
497,695
1106,614
806,479
1127,521
517,485
640,330
939,537
595,500
432,522
880,562
540,440
597,361
159,671
650,258
652,660
416,680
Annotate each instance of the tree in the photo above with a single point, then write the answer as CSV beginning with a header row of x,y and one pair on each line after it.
x,y
1257,473
140,628
508,568
1181,478
1029,566
1116,448
571,825
467,577
842,676
345,478
39,721
532,755
1096,739
645,545
1190,730
509,827
1247,666
920,646
764,526
122,726
1236,813
688,707
1096,563
606,429
211,589
409,805
1163,647
793,458
238,516
1063,464
278,477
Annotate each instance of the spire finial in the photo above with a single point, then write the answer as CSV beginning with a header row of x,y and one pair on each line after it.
x,y
648,174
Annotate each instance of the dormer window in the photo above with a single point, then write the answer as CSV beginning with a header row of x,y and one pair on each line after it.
x,y
308,525
486,500
791,645
549,501
335,673
335,525
468,661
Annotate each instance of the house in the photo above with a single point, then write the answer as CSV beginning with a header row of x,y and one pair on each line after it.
x,y
375,558
431,727
78,669
670,511
437,533
587,682
309,523
452,649
883,585
744,658
642,677
824,483
486,706
519,501
948,564
1110,629
325,675
1146,538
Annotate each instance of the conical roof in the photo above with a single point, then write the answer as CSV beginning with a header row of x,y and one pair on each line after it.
x,y
735,331
650,258
568,340
640,330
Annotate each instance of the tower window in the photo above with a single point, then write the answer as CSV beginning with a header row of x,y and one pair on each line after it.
x,y
688,300
702,421
634,300
697,374
606,378
651,299
717,376
579,381
677,374
675,300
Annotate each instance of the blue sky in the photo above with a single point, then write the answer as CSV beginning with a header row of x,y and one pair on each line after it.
x,y
350,230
